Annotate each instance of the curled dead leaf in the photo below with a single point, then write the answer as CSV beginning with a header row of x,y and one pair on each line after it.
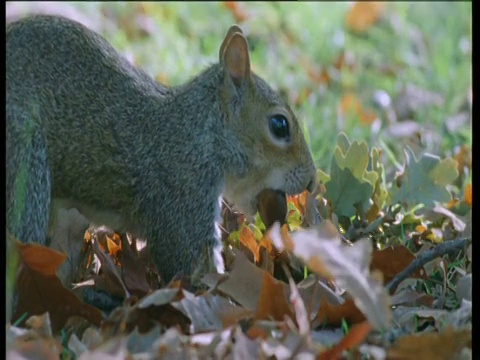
x,y
362,15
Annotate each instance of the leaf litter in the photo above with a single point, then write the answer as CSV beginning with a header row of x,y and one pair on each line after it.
x,y
315,285
248,311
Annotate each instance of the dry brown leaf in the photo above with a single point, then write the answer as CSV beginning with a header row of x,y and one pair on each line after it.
x,y
351,104
40,258
301,314
160,297
70,226
362,15
324,252
334,314
257,332
145,316
134,267
108,240
267,262
408,297
247,239
272,302
312,289
243,283
110,279
468,195
236,9
463,157
446,345
410,318
210,313
356,335
300,201
112,246
243,347
40,290
35,348
393,260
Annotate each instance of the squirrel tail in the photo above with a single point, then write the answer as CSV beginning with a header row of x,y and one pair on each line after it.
x,y
27,177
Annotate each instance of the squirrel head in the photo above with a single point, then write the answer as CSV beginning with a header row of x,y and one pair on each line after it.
x,y
268,135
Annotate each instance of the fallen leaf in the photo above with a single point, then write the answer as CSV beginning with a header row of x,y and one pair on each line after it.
x,y
41,324
76,346
211,313
288,346
160,297
468,195
35,347
70,227
247,239
134,266
243,283
138,342
464,288
243,347
356,335
236,9
312,289
324,252
110,278
409,317
301,315
409,297
39,290
350,104
124,319
362,15
334,314
392,260
442,346
272,301
300,201
257,332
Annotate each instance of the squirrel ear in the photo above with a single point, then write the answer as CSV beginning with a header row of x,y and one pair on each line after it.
x,y
236,58
233,29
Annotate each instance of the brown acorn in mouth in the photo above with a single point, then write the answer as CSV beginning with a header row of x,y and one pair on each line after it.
x,y
272,206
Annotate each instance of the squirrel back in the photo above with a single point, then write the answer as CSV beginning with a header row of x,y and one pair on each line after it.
x,y
87,127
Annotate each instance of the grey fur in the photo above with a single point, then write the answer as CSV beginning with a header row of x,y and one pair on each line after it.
x,y
86,125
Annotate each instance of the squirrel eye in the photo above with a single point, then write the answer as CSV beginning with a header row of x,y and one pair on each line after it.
x,y
279,127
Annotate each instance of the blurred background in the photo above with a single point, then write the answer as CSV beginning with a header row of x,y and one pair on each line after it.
x,y
391,74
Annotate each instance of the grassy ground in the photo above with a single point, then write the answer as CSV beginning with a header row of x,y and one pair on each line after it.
x,y
308,52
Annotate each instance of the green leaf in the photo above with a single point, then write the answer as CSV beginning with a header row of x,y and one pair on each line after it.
x,y
294,217
380,192
424,181
343,142
256,232
322,177
350,183
345,191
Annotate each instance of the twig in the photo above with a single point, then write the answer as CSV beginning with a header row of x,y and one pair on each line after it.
x,y
438,251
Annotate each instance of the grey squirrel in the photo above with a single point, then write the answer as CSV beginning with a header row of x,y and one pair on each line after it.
x,y
87,129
